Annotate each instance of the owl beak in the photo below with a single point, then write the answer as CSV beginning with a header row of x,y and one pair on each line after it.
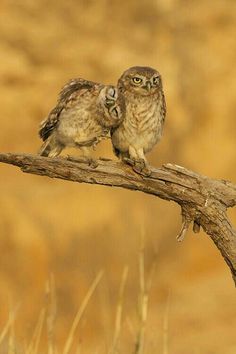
x,y
148,85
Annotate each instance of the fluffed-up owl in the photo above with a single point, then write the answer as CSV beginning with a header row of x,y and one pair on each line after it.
x,y
144,118
84,114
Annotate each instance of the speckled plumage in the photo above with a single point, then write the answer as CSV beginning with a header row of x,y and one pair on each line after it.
x,y
84,114
145,113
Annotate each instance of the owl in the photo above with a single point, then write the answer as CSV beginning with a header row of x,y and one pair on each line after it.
x,y
144,117
84,114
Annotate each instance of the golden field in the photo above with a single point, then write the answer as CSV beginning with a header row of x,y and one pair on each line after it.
x,y
69,232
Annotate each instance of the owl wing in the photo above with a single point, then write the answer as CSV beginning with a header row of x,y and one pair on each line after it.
x,y
67,97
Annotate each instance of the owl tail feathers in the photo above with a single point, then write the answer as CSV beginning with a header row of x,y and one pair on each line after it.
x,y
50,150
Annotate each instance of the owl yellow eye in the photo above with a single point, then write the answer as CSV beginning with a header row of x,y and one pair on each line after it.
x,y
156,80
137,80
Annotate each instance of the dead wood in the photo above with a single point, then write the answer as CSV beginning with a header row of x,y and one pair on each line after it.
x,y
203,201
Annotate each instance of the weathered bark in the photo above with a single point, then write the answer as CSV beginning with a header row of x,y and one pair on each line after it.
x,y
203,201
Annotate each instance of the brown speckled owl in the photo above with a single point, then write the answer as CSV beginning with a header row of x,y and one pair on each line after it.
x,y
144,118
84,114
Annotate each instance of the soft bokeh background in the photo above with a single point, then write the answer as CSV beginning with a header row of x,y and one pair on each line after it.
x,y
73,231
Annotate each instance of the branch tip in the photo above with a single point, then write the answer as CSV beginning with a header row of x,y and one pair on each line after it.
x,y
186,221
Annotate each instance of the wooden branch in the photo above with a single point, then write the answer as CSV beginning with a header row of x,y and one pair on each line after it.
x,y
203,201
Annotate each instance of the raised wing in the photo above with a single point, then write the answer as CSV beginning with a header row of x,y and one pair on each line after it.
x,y
67,95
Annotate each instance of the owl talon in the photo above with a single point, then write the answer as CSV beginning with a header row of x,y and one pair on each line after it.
x,y
92,163
145,171
129,161
140,166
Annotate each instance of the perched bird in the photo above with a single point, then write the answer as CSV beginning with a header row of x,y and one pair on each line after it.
x,y
144,118
84,115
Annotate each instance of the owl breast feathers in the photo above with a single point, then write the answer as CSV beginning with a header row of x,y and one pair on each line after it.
x,y
144,118
84,114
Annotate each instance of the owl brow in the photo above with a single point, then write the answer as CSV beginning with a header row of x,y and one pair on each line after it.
x,y
137,75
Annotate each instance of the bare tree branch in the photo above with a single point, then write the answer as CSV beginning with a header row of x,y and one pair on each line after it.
x,y
203,201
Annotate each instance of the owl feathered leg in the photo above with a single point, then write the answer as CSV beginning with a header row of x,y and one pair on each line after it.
x,y
137,160
87,156
142,158
85,148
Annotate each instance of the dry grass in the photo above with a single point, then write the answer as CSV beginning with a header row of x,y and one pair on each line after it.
x,y
118,323
80,312
47,318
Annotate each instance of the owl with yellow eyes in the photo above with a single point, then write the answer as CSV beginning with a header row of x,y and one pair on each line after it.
x,y
142,126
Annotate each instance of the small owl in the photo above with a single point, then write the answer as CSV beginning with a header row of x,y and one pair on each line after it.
x,y
144,118
84,114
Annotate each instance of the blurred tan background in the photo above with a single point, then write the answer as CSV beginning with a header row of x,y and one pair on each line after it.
x,y
72,231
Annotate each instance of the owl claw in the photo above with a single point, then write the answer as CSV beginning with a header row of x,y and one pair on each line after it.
x,y
140,166
92,163
144,171
128,161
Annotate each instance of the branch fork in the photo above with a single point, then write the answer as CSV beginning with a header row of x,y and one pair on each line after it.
x,y
187,219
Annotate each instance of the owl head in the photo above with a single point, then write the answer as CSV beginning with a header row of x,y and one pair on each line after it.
x,y
140,80
111,106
